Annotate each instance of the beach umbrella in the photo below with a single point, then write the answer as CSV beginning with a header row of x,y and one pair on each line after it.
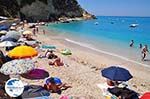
x,y
36,92
21,31
12,28
146,96
22,52
22,39
56,79
2,32
36,74
27,32
116,73
14,24
7,44
13,34
16,67
4,27
8,39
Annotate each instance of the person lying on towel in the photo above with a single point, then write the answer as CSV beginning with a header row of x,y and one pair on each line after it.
x,y
54,84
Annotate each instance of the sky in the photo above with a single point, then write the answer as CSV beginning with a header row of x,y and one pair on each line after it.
x,y
117,7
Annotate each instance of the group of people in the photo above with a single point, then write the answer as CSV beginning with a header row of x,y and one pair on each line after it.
x,y
144,50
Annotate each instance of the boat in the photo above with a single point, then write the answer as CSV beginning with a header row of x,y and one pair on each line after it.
x,y
96,23
134,25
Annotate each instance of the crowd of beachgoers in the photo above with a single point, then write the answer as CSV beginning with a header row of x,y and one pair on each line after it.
x,y
50,70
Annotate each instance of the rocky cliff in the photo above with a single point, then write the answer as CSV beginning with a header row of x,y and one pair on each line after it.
x,y
44,10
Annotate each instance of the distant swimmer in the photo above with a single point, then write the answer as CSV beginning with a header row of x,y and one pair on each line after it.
x,y
140,46
144,51
131,43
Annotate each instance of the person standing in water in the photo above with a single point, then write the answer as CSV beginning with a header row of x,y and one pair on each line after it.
x,y
131,43
144,52
140,46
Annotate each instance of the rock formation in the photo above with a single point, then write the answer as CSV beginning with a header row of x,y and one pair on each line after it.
x,y
43,10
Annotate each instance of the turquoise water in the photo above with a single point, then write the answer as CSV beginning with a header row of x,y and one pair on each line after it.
x,y
111,34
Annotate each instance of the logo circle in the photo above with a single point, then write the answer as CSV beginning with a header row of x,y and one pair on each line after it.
x,y
14,87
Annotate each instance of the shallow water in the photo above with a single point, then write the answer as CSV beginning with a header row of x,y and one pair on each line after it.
x,y
111,35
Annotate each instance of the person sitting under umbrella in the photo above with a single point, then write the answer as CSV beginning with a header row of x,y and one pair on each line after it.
x,y
54,84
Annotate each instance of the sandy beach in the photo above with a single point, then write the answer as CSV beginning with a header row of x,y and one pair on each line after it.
x,y
82,69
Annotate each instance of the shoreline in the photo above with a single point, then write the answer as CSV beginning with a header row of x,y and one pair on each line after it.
x,y
86,60
93,48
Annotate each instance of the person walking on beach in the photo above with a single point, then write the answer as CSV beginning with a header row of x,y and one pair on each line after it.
x,y
34,30
144,52
37,29
131,43
44,32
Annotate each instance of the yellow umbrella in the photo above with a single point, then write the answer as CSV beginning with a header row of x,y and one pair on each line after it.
x,y
27,32
22,52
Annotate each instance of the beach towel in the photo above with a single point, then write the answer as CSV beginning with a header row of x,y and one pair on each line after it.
x,y
66,52
125,93
35,92
48,47
64,97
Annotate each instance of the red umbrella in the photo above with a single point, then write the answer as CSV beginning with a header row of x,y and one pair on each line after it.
x,y
146,96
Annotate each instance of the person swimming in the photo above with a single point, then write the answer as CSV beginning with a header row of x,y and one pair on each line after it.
x,y
140,46
131,43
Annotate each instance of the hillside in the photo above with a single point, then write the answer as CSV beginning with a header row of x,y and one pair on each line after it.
x,y
44,10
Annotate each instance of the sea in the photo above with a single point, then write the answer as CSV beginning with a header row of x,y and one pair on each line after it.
x,y
110,35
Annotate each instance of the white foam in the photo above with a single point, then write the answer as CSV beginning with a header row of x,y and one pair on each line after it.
x,y
105,52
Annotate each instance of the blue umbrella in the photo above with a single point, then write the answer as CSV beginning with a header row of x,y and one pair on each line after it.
x,y
116,73
13,34
9,39
4,27
56,79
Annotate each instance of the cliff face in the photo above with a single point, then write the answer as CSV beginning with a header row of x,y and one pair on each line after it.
x,y
44,10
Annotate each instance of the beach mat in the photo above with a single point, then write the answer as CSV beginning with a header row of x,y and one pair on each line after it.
x,y
35,92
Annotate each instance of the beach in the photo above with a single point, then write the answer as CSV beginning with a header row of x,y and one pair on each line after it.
x,y
82,69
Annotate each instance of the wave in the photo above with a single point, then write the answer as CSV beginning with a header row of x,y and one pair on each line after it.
x,y
105,52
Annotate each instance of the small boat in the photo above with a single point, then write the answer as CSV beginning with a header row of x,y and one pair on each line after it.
x,y
134,25
96,23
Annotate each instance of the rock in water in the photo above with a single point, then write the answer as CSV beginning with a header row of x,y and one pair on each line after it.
x,y
43,10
